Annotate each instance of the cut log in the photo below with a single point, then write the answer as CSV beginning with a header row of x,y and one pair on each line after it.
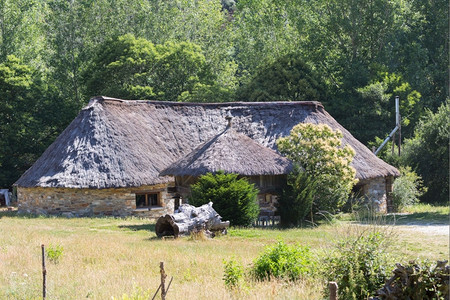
x,y
189,218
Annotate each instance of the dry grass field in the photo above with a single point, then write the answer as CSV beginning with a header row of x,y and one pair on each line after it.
x,y
105,258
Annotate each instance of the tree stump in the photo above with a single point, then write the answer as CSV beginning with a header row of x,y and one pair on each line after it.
x,y
189,218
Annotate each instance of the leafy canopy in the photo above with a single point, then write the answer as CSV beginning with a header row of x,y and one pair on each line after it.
x,y
288,78
318,151
428,153
131,68
234,199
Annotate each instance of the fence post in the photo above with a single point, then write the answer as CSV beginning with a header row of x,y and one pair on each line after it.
x,y
44,273
163,281
333,286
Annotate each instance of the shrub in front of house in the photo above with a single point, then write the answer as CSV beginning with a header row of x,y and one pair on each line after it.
x,y
407,189
359,265
234,199
282,261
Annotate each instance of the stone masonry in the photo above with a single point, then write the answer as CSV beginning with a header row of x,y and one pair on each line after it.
x,y
92,202
378,192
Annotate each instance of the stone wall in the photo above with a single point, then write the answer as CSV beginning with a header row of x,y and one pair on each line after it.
x,y
378,192
92,202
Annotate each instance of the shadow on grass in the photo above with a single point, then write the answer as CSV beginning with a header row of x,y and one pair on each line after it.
x,y
422,218
146,227
405,219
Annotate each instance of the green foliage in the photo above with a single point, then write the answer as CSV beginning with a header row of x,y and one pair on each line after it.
x,y
133,68
29,119
233,273
297,199
288,78
54,253
428,153
265,30
406,189
377,102
358,265
234,199
318,151
282,261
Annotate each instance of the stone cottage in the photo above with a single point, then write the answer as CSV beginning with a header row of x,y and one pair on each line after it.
x,y
110,159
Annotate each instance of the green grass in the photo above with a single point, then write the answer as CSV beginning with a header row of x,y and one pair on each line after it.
x,y
109,257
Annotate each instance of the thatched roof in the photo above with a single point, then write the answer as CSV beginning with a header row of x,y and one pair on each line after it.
x,y
231,152
119,143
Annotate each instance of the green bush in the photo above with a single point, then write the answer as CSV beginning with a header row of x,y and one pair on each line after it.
x,y
406,189
233,273
234,199
54,253
282,261
358,266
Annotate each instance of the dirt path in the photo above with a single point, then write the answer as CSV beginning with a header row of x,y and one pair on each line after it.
x,y
428,228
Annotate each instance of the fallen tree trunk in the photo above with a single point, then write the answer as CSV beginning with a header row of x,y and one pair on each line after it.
x,y
189,218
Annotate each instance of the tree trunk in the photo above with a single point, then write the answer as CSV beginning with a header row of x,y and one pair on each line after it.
x,y
189,218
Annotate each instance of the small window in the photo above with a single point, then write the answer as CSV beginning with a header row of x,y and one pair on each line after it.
x,y
147,200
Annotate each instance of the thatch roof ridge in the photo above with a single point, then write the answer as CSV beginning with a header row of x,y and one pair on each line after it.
x,y
122,143
231,152
100,99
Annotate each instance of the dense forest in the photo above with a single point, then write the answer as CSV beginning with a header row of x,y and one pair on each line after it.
x,y
354,56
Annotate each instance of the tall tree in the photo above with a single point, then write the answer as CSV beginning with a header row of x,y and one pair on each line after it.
x,y
428,153
136,68
264,31
20,30
29,118
288,78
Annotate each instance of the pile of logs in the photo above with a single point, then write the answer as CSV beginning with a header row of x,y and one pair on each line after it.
x,y
189,219
417,282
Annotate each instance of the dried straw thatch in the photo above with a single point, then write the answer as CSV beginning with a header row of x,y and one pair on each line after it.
x,y
119,143
230,152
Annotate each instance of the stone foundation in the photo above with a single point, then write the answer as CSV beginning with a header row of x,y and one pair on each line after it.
x,y
93,202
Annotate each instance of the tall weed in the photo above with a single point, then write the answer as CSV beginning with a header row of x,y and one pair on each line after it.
x,y
358,264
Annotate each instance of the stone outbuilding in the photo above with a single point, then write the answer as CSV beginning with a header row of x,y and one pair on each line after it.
x,y
110,159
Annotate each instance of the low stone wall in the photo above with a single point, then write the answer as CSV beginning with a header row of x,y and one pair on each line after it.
x,y
91,202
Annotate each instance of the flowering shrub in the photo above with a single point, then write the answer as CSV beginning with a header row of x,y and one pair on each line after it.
x,y
317,151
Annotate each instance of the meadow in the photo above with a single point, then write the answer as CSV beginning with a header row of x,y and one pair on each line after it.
x,y
115,258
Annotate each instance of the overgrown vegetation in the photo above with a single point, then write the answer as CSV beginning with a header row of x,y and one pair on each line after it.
x,y
359,265
282,261
233,198
406,189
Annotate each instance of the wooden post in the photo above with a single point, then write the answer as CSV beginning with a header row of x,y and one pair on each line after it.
x,y
163,281
44,273
333,290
